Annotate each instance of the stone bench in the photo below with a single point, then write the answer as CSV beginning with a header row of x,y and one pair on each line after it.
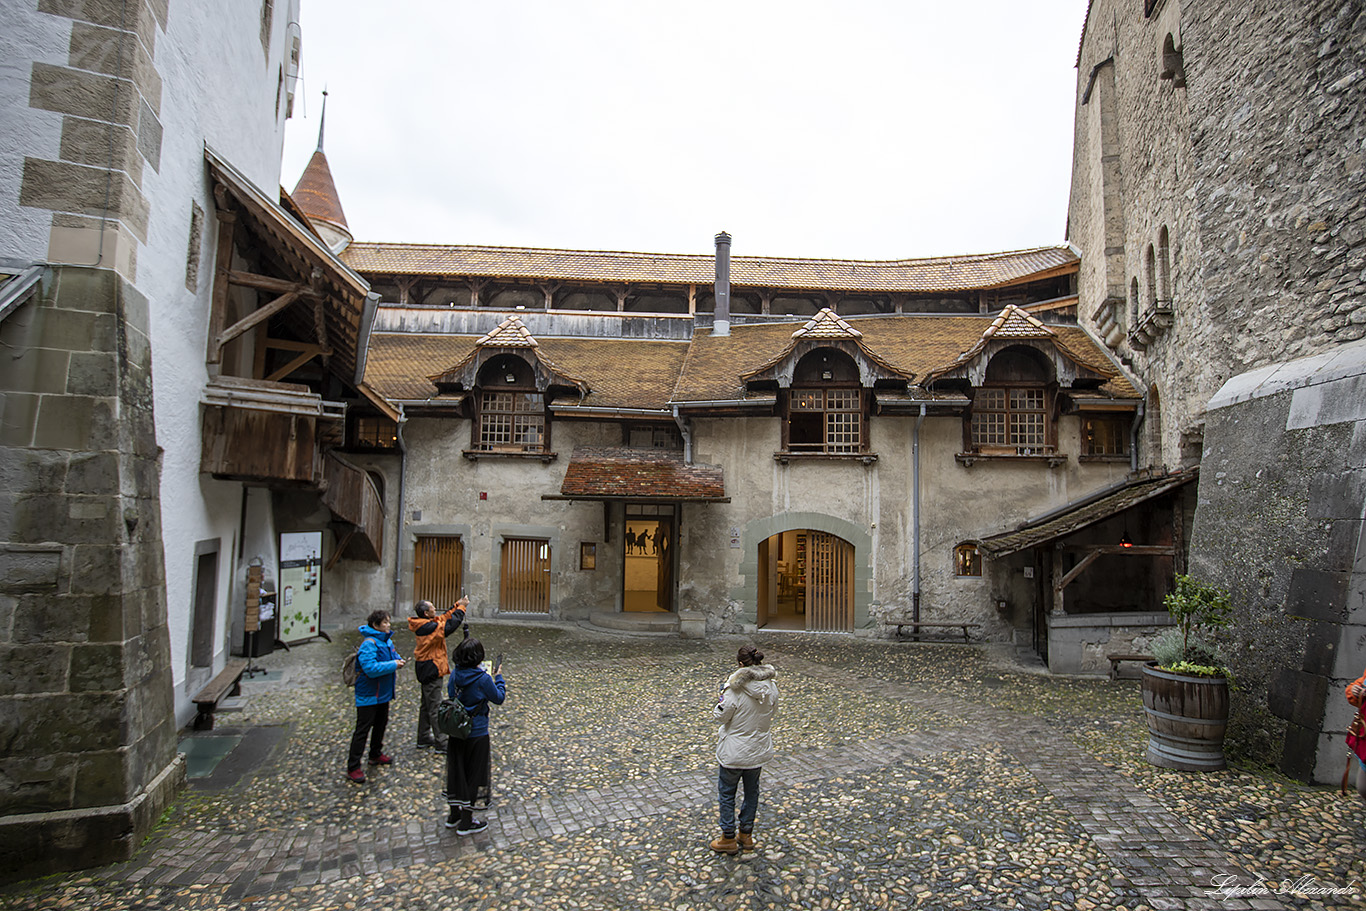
x,y
1117,659
228,682
964,629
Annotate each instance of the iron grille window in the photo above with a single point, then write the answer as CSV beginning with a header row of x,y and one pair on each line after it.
x,y
825,420
512,421
1010,417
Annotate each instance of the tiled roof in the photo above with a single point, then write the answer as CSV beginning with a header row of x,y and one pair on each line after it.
x,y
935,274
639,473
914,345
826,324
1084,513
510,333
620,373
316,193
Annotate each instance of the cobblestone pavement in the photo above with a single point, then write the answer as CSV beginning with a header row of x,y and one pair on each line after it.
x,y
909,775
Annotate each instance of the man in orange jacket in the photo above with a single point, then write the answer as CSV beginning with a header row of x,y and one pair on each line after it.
x,y
431,664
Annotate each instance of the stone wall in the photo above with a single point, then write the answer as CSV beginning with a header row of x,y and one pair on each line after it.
x,y
1280,524
86,702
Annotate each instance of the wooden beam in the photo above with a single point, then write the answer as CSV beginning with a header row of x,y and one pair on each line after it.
x,y
303,358
336,554
218,308
253,318
1086,561
268,283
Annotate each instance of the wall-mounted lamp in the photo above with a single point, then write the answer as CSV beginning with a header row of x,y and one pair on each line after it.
x,y
827,375
511,378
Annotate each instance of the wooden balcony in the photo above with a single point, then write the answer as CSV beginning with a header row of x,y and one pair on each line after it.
x,y
355,503
263,432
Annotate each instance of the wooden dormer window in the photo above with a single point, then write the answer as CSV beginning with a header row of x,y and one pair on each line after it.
x,y
1011,411
827,409
510,412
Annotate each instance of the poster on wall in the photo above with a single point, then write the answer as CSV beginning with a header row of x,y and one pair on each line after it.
x,y
299,602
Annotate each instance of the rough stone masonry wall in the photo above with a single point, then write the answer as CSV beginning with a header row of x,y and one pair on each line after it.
x,y
1278,111
86,718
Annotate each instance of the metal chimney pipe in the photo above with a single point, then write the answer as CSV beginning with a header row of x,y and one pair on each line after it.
x,y
721,319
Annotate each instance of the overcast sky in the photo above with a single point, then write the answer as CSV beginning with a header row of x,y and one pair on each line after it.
x,y
867,130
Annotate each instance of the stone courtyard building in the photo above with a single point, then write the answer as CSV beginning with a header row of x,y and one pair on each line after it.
x,y
201,366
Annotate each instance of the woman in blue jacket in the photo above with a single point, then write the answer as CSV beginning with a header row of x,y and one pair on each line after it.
x,y
378,661
467,761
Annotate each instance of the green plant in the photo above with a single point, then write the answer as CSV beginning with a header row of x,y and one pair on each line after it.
x,y
1197,609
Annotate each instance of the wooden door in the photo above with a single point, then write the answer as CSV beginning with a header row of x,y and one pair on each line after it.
x,y
525,583
438,562
829,583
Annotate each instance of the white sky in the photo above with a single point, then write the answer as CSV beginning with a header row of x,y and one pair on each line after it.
x,y
867,129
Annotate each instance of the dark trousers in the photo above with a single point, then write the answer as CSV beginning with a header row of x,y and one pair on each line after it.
x,y
371,720
727,784
467,773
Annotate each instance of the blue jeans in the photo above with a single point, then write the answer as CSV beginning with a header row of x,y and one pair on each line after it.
x,y
728,782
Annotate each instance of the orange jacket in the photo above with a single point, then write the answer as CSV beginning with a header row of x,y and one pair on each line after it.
x,y
1356,690
431,641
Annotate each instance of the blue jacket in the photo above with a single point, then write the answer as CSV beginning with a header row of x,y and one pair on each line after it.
x,y
476,690
378,662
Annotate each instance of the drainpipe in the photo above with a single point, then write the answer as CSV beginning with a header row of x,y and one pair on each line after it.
x,y
1133,437
721,316
915,517
686,433
398,523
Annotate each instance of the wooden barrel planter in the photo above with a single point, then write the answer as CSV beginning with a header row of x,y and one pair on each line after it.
x,y
1187,716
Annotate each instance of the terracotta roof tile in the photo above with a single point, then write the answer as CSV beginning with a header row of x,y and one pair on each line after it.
x,y
639,473
826,324
619,373
912,344
316,193
934,274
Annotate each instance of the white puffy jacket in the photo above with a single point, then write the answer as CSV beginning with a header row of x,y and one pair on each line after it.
x,y
748,703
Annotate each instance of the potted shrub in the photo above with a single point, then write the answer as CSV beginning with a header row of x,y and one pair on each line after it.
x,y
1185,690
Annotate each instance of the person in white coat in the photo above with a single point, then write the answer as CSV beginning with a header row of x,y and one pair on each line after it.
x,y
748,702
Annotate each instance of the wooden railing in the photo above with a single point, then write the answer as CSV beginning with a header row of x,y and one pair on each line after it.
x,y
351,496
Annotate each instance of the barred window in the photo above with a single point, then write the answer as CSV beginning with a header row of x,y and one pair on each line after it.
x,y
512,421
1010,417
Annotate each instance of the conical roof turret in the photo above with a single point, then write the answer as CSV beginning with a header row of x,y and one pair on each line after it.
x,y
316,194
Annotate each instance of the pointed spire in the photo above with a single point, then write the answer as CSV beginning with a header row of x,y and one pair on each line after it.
x,y
316,194
322,121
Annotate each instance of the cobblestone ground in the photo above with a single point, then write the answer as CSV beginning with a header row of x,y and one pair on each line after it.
x,y
909,776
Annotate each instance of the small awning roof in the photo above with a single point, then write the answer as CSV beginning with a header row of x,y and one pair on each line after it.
x,y
639,474
1076,516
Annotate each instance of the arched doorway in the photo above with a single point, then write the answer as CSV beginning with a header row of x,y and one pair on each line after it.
x,y
806,581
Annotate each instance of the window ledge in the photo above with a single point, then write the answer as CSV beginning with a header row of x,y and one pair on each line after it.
x,y
1053,460
475,455
867,458
1118,457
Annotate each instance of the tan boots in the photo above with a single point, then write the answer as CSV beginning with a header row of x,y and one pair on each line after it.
x,y
726,844
733,844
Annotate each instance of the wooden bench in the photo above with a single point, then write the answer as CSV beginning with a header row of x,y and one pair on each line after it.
x,y
1118,659
965,629
228,682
